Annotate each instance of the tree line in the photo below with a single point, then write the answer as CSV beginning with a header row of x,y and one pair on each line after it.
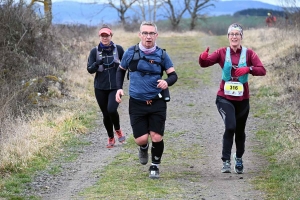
x,y
259,12
173,10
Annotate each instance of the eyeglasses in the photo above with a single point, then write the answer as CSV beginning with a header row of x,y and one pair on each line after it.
x,y
234,34
145,34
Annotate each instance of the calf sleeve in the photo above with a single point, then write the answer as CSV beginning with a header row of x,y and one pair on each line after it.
x,y
157,151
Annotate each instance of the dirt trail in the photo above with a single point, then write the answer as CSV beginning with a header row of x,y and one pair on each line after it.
x,y
202,126
206,129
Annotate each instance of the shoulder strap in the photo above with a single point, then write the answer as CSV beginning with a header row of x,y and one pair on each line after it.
x,y
116,54
98,54
134,60
163,55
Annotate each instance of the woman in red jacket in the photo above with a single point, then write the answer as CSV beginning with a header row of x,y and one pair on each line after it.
x,y
232,101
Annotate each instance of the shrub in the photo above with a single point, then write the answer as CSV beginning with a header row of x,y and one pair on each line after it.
x,y
30,51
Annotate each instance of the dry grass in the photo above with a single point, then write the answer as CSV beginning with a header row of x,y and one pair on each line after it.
x,y
23,140
279,51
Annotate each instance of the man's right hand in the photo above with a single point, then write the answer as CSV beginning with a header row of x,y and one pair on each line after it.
x,y
119,95
204,55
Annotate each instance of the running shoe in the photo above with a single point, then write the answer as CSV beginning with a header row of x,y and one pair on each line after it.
x,y
153,172
110,142
238,164
226,167
121,136
143,156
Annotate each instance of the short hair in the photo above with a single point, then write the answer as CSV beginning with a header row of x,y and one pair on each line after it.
x,y
148,23
105,26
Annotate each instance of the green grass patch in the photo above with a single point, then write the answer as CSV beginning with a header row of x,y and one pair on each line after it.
x,y
266,91
184,55
281,181
126,178
280,178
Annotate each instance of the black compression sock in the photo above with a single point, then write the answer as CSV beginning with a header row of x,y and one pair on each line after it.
x,y
157,151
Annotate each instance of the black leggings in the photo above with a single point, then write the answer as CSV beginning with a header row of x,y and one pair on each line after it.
x,y
234,115
107,102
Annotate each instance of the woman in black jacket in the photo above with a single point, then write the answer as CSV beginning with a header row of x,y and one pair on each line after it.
x,y
104,60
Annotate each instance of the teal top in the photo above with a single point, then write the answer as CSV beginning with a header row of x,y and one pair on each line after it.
x,y
226,73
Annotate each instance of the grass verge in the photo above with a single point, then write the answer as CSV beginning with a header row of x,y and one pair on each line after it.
x,y
274,103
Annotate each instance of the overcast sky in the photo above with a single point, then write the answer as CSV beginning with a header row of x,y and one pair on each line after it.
x,y
273,2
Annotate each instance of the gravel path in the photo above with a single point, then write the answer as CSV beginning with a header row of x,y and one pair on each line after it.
x,y
202,126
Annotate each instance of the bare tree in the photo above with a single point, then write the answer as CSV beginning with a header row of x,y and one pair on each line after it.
x,y
194,8
47,10
173,14
292,12
148,9
121,6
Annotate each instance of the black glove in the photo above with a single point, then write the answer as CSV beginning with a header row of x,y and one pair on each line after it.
x,y
99,62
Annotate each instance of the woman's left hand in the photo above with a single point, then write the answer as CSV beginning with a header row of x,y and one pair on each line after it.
x,y
242,71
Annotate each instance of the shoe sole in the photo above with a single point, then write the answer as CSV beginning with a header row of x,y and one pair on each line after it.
x,y
144,163
154,177
121,141
226,171
238,172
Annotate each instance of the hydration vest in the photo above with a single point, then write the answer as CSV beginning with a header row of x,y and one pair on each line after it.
x,y
115,54
226,72
137,57
165,94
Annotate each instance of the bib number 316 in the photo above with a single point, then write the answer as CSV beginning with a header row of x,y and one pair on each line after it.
x,y
233,88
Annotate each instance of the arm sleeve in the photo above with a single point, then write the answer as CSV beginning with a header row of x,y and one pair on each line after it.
x,y
172,78
120,77
92,67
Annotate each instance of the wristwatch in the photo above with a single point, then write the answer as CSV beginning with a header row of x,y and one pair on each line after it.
x,y
251,69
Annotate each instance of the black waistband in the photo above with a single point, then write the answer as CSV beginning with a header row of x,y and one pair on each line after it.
x,y
157,97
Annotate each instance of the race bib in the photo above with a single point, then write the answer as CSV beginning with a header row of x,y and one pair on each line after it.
x,y
233,88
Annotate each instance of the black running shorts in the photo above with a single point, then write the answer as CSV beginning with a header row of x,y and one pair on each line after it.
x,y
147,117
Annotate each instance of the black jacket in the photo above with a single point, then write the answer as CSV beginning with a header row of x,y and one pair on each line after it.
x,y
105,80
